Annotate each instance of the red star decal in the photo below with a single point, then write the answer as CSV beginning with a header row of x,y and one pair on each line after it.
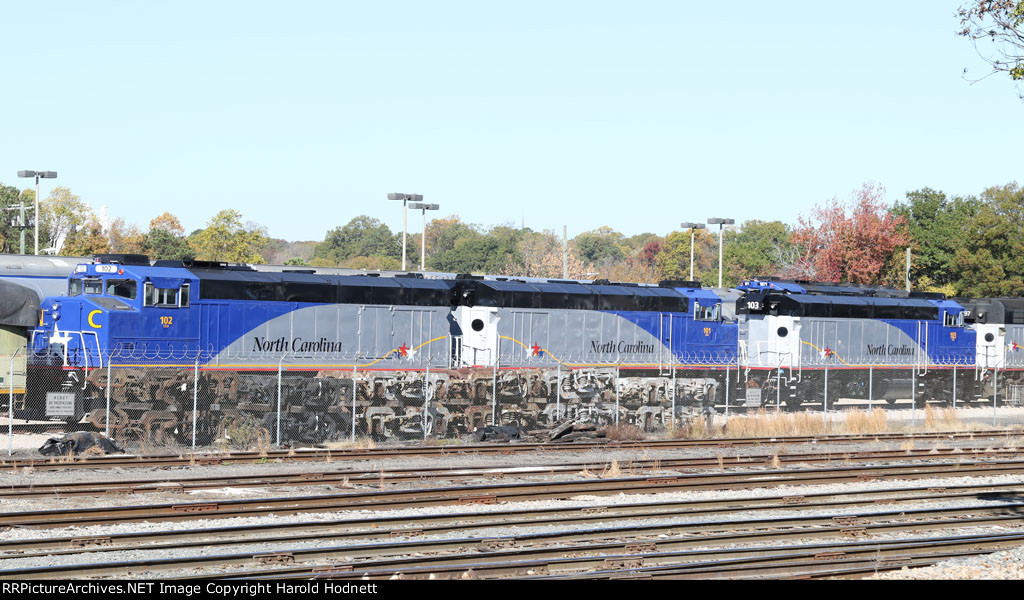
x,y
1015,347
536,349
403,350
828,352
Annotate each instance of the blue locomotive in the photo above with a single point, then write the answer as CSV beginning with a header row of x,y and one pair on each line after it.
x,y
791,332
158,338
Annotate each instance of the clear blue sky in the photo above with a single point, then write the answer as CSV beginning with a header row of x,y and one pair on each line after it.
x,y
636,115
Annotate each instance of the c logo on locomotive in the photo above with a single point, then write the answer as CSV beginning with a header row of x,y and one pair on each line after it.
x,y
93,324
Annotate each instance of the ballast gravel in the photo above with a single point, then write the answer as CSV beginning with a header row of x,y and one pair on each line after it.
x,y
249,547
42,477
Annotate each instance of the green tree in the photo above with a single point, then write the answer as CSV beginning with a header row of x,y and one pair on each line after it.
x,y
362,236
753,250
938,228
59,214
163,244
496,253
86,241
673,261
602,246
225,238
991,258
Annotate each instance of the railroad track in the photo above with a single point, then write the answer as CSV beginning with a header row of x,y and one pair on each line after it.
x,y
505,492
383,476
323,455
386,527
631,546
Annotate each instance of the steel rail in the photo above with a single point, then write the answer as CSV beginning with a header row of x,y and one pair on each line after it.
x,y
496,493
879,554
185,484
664,536
419,525
89,462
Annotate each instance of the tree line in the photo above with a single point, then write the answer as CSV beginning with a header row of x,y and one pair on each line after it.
x,y
962,246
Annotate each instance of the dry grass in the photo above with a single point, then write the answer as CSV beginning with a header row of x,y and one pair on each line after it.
x,y
775,424
244,434
612,471
941,418
865,422
624,433
360,443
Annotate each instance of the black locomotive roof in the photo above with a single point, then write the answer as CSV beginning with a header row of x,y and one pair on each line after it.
x,y
568,295
220,284
1008,311
848,307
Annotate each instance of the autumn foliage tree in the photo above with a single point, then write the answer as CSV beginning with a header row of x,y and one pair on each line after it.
x,y
997,29
851,242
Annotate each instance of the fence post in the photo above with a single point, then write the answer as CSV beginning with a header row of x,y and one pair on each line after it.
x,y
354,385
195,400
871,387
494,393
913,396
824,401
426,399
995,393
727,391
954,387
618,375
558,395
778,389
279,364
10,406
106,393
673,392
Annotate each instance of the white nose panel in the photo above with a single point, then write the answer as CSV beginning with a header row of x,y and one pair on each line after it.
x,y
479,335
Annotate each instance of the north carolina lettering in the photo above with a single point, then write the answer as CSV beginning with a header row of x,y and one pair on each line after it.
x,y
621,347
891,350
282,344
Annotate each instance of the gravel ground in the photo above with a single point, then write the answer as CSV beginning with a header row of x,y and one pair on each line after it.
x,y
1005,564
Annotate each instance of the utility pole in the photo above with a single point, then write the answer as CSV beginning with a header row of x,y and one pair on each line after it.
x,y
907,275
21,224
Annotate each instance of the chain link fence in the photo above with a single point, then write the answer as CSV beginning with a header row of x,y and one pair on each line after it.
x,y
180,401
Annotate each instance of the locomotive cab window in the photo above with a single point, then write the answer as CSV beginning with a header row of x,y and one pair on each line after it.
x,y
92,286
74,287
162,297
122,288
706,313
953,320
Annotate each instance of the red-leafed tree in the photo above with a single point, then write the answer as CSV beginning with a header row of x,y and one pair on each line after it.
x,y
852,242
649,253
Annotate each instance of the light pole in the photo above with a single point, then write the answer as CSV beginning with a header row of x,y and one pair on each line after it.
x,y
423,236
405,198
720,223
692,226
38,175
